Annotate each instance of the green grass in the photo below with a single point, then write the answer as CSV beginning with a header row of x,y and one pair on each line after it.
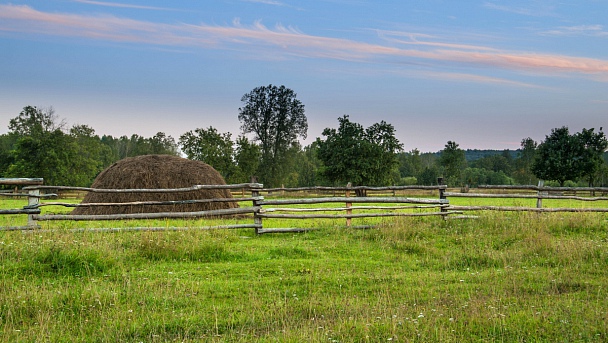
x,y
505,277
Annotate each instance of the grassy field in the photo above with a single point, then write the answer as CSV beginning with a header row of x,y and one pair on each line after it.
x,y
505,277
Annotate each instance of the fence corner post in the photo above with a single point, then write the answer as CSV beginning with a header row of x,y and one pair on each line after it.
x,y
348,205
33,200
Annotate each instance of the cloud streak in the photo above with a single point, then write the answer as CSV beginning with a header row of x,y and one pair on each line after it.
x,y
580,30
119,5
290,42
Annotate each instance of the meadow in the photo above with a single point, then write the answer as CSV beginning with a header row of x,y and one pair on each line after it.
x,y
503,277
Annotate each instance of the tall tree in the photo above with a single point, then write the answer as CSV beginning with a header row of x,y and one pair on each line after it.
x,y
357,155
592,145
277,119
453,161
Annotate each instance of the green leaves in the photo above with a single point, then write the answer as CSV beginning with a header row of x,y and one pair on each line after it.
x,y
357,155
563,156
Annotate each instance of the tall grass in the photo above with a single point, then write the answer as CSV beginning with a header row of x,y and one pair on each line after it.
x,y
508,277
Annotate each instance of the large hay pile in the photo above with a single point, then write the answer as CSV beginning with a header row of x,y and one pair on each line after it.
x,y
156,171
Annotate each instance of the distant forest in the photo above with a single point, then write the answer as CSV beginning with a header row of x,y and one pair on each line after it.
x,y
39,144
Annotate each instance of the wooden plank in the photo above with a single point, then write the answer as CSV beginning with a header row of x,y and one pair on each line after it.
x,y
525,209
20,211
211,213
151,190
40,196
353,200
357,215
170,202
21,181
284,230
335,209
545,188
322,188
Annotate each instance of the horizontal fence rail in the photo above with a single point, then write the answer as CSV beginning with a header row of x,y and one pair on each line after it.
x,y
540,193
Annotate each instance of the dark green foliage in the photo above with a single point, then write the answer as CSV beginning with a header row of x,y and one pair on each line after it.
x,y
453,161
247,158
357,155
277,119
209,146
39,146
563,156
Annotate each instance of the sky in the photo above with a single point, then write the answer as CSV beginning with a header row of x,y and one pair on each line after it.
x,y
484,74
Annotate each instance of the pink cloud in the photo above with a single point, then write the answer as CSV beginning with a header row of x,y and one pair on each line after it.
x,y
289,41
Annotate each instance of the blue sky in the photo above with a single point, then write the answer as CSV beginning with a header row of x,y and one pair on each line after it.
x,y
485,74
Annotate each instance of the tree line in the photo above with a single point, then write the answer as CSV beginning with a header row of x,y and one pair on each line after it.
x,y
273,120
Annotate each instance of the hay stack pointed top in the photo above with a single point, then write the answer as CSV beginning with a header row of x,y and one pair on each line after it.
x,y
156,172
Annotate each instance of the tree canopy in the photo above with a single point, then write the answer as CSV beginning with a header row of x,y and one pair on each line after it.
x,y
276,118
562,156
358,155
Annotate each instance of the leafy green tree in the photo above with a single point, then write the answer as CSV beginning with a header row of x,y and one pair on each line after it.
x,y
410,163
277,119
7,145
357,155
33,121
163,144
208,145
558,157
90,155
41,148
593,146
308,166
428,176
247,157
523,164
453,161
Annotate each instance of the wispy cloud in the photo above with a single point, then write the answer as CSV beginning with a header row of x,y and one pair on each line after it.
x,y
121,5
267,2
460,77
290,42
533,9
579,30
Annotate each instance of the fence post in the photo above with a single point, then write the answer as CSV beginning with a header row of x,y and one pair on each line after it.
x,y
441,195
539,200
33,199
257,220
348,204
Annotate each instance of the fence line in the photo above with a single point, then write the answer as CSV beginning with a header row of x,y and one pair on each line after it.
x,y
542,192
262,209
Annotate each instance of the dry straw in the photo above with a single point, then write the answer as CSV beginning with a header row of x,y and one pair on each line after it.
x,y
156,172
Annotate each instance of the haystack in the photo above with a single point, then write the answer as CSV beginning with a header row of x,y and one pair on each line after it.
x,y
156,171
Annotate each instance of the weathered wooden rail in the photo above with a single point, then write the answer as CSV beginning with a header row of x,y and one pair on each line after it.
x,y
541,193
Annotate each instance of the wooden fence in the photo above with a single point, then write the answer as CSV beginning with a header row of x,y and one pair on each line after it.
x,y
282,204
261,209
539,193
